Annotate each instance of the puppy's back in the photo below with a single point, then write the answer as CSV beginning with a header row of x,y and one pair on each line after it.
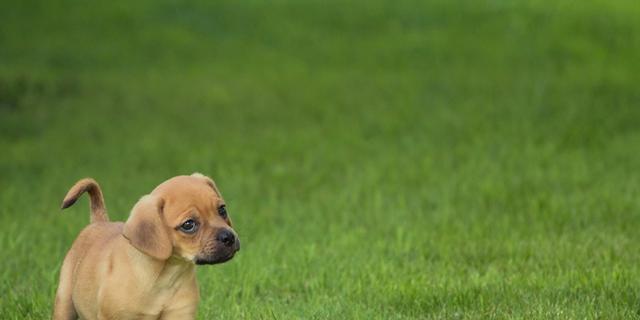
x,y
95,237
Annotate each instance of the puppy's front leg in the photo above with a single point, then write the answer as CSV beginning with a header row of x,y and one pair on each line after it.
x,y
185,302
187,312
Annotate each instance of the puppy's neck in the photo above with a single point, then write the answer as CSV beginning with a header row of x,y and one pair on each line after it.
x,y
162,274
175,271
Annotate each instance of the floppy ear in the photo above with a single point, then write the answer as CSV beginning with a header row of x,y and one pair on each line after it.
x,y
145,229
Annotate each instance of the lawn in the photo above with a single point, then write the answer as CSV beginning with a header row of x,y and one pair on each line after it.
x,y
380,160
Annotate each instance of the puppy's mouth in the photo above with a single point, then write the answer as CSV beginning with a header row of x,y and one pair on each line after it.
x,y
218,257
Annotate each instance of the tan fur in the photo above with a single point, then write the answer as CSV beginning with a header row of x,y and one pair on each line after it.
x,y
144,268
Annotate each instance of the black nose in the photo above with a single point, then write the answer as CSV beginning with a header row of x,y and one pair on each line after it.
x,y
226,237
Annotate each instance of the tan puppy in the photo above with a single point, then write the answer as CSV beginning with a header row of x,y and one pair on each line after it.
x,y
145,268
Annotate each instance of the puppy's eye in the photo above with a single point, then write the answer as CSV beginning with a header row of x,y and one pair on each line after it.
x,y
189,226
222,211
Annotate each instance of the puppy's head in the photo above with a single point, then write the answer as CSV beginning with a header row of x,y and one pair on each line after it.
x,y
186,217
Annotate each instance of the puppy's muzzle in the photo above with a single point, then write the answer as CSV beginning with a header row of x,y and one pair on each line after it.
x,y
226,246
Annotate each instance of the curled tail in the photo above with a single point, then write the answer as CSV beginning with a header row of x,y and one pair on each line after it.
x,y
98,210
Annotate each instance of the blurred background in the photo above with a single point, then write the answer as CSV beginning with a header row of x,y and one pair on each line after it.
x,y
379,159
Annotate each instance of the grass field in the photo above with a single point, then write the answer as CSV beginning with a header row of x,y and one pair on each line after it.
x,y
400,160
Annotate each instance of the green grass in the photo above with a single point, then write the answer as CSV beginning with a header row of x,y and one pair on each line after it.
x,y
400,160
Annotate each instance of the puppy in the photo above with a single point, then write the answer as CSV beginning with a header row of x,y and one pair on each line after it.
x,y
145,268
